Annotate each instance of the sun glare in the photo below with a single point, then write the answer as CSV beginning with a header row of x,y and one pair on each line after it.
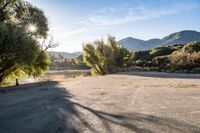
x,y
32,28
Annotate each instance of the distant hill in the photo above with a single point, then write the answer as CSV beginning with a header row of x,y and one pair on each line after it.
x,y
64,54
175,38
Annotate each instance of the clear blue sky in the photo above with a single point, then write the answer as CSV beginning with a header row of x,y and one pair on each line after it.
x,y
73,22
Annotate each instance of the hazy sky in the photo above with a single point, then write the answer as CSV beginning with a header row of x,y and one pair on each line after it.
x,y
73,22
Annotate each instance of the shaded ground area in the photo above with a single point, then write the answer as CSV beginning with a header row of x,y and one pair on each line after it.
x,y
104,104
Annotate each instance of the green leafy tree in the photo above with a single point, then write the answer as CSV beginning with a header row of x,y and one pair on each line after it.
x,y
22,26
105,58
20,51
11,10
22,13
35,17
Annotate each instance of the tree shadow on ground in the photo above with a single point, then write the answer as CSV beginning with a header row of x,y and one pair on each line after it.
x,y
28,86
162,75
51,109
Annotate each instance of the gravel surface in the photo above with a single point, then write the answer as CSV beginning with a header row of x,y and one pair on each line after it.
x,y
119,103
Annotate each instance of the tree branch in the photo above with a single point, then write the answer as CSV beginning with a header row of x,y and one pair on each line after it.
x,y
6,4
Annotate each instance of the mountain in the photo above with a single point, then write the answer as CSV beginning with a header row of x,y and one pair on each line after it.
x,y
175,38
181,37
132,43
64,54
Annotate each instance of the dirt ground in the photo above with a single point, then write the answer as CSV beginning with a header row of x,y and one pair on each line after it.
x,y
137,102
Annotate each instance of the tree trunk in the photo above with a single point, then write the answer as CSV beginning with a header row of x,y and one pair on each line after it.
x,y
2,77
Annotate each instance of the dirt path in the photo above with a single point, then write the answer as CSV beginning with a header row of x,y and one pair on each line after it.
x,y
109,104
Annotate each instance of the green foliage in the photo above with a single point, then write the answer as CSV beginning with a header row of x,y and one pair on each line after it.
x,y
185,61
191,47
176,58
161,61
142,55
22,13
80,63
149,55
62,63
39,64
105,58
12,10
37,18
161,51
17,74
20,51
92,60
188,58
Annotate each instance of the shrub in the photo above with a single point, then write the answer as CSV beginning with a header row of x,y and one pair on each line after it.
x,y
191,47
184,61
142,55
161,51
105,58
161,61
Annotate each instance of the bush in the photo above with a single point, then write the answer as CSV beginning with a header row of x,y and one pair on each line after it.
x,y
161,51
106,58
184,61
191,47
142,55
161,61
176,58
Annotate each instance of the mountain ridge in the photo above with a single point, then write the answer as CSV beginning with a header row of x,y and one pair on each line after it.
x,y
180,37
